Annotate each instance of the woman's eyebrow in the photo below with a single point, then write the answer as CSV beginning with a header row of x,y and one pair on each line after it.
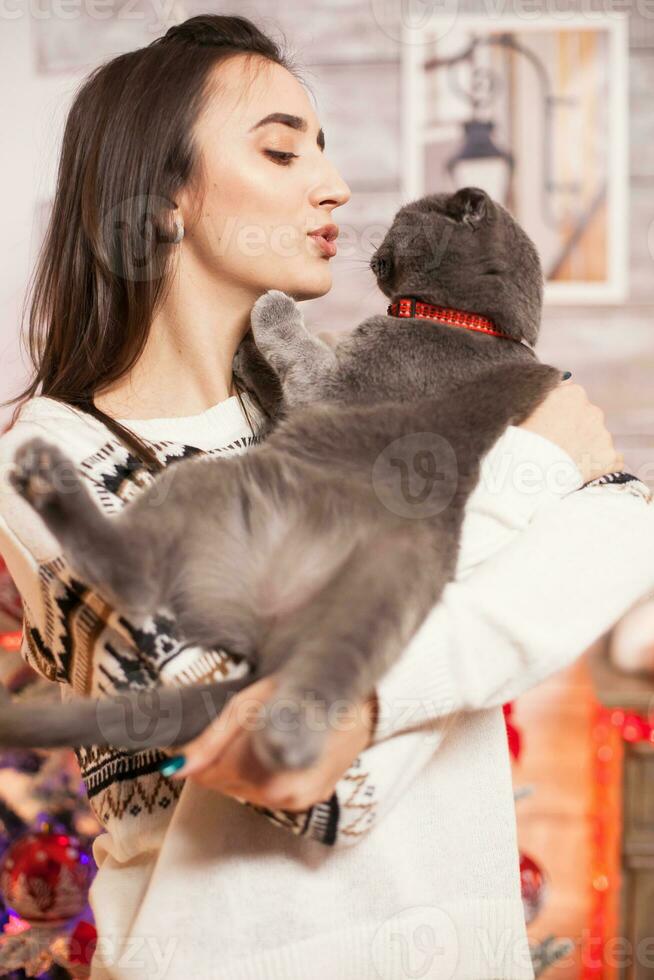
x,y
295,122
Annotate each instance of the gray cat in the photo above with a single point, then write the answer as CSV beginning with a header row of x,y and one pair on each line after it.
x,y
319,552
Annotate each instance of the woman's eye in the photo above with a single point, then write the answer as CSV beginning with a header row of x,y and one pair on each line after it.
x,y
281,157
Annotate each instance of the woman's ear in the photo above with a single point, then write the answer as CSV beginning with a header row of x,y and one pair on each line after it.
x,y
470,205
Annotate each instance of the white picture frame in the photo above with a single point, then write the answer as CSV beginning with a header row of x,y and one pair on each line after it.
x,y
419,137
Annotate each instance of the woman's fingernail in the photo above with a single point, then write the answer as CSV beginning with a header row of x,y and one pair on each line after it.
x,y
173,765
568,374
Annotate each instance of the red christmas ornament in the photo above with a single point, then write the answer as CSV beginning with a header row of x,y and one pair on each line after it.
x,y
515,743
532,886
635,728
513,734
82,943
45,877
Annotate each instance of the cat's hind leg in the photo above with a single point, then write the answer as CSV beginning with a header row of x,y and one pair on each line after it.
x,y
344,640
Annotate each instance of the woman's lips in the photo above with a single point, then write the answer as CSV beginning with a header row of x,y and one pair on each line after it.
x,y
328,248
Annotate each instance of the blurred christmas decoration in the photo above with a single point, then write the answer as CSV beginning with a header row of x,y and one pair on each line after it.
x,y
22,760
15,673
47,953
46,835
609,728
533,880
548,951
45,877
532,886
631,726
513,735
10,603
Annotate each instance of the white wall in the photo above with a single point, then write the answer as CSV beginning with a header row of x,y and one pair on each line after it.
x,y
32,113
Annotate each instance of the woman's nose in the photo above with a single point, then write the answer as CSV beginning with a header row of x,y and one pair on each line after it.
x,y
333,188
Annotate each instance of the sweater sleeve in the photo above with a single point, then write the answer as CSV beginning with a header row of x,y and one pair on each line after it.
x,y
528,611
582,550
521,474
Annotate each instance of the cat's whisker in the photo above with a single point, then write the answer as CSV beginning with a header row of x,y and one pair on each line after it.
x,y
355,260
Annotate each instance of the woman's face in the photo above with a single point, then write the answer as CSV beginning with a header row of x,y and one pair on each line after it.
x,y
265,186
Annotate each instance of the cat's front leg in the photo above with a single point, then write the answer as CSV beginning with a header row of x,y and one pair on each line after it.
x,y
257,375
294,729
301,360
105,552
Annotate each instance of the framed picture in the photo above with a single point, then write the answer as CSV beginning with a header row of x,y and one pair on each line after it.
x,y
534,111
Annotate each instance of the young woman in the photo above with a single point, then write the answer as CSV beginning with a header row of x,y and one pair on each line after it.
x,y
192,175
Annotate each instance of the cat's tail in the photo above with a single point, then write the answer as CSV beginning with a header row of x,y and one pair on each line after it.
x,y
159,717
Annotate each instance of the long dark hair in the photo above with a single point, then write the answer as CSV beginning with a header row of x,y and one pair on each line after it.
x,y
104,266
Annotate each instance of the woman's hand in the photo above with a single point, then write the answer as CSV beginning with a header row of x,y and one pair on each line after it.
x,y
568,418
221,757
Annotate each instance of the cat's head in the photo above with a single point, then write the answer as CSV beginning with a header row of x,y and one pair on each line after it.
x,y
466,252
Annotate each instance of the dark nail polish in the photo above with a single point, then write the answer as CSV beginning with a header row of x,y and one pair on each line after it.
x,y
171,766
568,374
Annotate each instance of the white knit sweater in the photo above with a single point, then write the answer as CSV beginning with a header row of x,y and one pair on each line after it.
x,y
411,868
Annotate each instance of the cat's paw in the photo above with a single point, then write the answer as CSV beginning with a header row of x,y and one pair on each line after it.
x,y
289,738
272,312
41,473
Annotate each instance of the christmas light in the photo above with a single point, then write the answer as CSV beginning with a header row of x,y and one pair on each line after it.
x,y
609,727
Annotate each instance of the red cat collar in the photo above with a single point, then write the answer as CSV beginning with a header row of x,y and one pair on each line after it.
x,y
410,307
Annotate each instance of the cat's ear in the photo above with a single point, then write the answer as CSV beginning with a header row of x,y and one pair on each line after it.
x,y
470,205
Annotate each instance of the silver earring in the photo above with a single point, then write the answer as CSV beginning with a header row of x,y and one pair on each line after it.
x,y
179,231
